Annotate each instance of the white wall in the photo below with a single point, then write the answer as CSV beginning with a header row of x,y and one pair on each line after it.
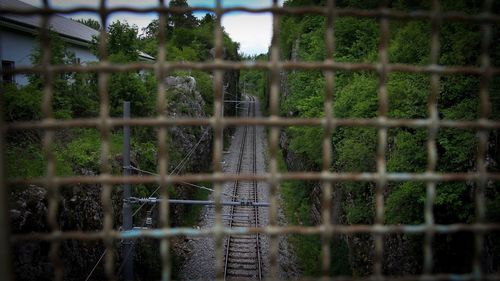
x,y
17,46
83,53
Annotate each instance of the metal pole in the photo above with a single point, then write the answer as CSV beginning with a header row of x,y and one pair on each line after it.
x,y
128,247
5,265
222,130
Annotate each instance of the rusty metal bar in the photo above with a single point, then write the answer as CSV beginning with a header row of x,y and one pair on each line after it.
x,y
341,12
432,152
218,140
383,104
275,121
261,65
160,72
127,218
282,230
5,261
483,135
326,200
273,144
278,177
47,144
104,130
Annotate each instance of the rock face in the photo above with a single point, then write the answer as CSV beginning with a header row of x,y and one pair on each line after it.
x,y
186,102
79,210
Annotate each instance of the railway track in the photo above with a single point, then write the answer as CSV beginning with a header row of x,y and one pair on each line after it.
x,y
242,260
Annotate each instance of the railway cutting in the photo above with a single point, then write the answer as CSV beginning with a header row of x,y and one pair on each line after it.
x,y
245,256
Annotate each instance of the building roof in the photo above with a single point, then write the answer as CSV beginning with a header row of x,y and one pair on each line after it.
x,y
64,26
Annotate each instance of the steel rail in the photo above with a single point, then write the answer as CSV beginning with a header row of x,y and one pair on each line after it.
x,y
256,190
235,193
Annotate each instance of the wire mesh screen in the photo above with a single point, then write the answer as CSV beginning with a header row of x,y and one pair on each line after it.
x,y
274,66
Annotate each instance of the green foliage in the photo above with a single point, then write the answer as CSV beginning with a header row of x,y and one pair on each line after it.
x,y
409,152
290,31
359,210
128,86
253,82
356,39
92,23
493,202
418,52
408,95
74,94
21,104
296,207
453,203
122,42
184,20
308,253
146,150
123,47
27,160
188,39
358,99
297,210
58,55
457,150
192,214
24,162
204,85
356,96
412,212
84,151
355,149
307,141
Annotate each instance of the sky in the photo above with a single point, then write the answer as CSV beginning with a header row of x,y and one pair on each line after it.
x,y
252,31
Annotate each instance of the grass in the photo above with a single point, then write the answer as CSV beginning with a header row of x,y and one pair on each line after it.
x,y
82,151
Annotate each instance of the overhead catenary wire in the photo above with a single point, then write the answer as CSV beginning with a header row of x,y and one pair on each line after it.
x,y
177,169
96,264
182,182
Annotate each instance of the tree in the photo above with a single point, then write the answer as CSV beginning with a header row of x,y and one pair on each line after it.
x,y
92,23
123,45
151,31
74,93
184,20
123,41
208,19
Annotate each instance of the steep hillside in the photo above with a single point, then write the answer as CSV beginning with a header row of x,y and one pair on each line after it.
x,y
354,148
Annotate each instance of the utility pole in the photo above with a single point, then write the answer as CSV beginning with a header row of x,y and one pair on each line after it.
x,y
128,245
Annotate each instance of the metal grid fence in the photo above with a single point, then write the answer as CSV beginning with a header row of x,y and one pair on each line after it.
x,y
273,177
